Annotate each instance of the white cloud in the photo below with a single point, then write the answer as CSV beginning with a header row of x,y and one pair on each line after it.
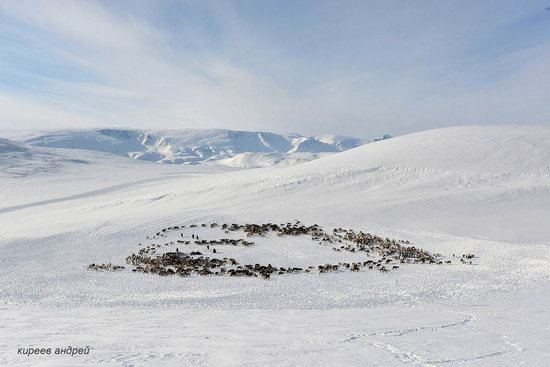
x,y
28,113
139,78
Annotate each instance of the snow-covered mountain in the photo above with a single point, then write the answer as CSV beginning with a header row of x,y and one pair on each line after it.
x,y
18,160
191,146
475,180
7,146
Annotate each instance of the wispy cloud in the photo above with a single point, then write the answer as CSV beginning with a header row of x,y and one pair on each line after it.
x,y
357,68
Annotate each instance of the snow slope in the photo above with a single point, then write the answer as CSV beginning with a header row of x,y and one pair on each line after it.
x,y
482,190
262,160
22,161
476,181
183,146
7,146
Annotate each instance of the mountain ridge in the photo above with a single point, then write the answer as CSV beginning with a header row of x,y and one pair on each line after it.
x,y
188,146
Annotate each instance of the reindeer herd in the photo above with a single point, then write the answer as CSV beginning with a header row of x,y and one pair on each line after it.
x,y
382,254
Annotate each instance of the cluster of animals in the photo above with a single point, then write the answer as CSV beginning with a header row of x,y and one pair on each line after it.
x,y
386,253
381,265
108,266
222,241
466,258
178,263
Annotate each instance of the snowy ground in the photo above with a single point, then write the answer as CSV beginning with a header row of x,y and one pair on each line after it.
x,y
451,191
509,329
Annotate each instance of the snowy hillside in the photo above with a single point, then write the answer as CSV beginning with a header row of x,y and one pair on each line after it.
x,y
186,146
454,191
7,146
17,160
262,160
484,181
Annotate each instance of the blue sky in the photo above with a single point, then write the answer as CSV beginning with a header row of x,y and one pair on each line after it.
x,y
358,68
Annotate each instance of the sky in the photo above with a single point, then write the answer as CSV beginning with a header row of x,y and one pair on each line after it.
x,y
358,68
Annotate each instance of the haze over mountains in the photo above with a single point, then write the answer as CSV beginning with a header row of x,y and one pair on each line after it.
x,y
243,149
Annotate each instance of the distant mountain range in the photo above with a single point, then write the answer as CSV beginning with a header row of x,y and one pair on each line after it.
x,y
243,149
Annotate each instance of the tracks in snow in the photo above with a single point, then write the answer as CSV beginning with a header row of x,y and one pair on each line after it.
x,y
411,356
